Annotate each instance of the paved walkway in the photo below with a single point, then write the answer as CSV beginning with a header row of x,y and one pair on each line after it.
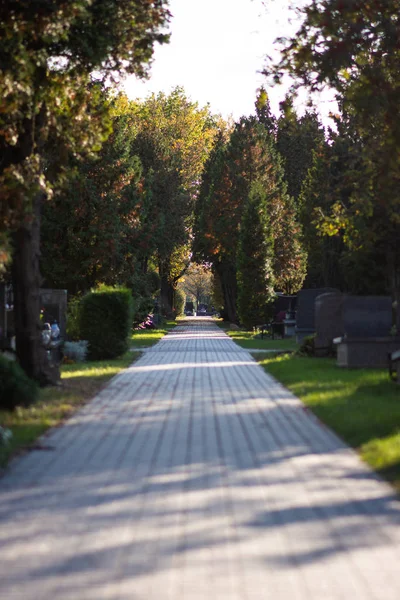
x,y
194,475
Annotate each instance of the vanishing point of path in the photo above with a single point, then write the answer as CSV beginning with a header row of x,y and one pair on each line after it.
x,y
194,475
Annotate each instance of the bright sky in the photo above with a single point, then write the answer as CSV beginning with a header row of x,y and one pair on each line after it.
x,y
216,51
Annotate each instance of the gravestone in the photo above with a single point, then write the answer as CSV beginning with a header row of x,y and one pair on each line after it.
x,y
366,340
328,321
305,313
367,316
53,303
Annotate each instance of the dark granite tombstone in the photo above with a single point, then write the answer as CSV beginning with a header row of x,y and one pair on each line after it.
x,y
367,316
328,321
366,339
305,313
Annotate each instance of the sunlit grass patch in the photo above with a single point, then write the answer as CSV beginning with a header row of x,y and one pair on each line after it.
x,y
251,340
362,406
142,338
97,369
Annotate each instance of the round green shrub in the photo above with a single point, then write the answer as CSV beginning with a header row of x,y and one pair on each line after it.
x,y
106,321
16,389
307,347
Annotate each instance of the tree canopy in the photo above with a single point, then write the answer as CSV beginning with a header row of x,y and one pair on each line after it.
x,y
174,139
247,157
352,46
197,282
55,58
255,260
92,230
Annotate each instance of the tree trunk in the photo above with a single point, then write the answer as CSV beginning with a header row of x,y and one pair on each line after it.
x,y
26,282
144,264
167,296
227,275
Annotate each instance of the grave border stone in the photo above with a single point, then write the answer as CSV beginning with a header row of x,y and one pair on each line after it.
x,y
365,353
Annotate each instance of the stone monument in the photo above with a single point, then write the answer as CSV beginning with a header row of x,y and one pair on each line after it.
x,y
366,340
328,322
305,313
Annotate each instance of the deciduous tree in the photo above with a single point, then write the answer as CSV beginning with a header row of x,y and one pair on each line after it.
x,y
174,139
50,53
92,231
297,138
197,282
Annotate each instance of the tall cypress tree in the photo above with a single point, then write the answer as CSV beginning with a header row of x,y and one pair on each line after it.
x,y
296,140
250,156
255,260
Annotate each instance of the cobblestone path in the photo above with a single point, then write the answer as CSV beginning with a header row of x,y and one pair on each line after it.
x,y
194,475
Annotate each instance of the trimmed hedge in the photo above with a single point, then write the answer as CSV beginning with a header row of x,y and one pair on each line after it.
x,y
106,321
16,388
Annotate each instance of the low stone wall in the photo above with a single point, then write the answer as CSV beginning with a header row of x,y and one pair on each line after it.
x,y
365,352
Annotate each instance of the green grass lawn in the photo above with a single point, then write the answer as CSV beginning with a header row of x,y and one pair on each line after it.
x,y
143,338
80,382
250,340
362,406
